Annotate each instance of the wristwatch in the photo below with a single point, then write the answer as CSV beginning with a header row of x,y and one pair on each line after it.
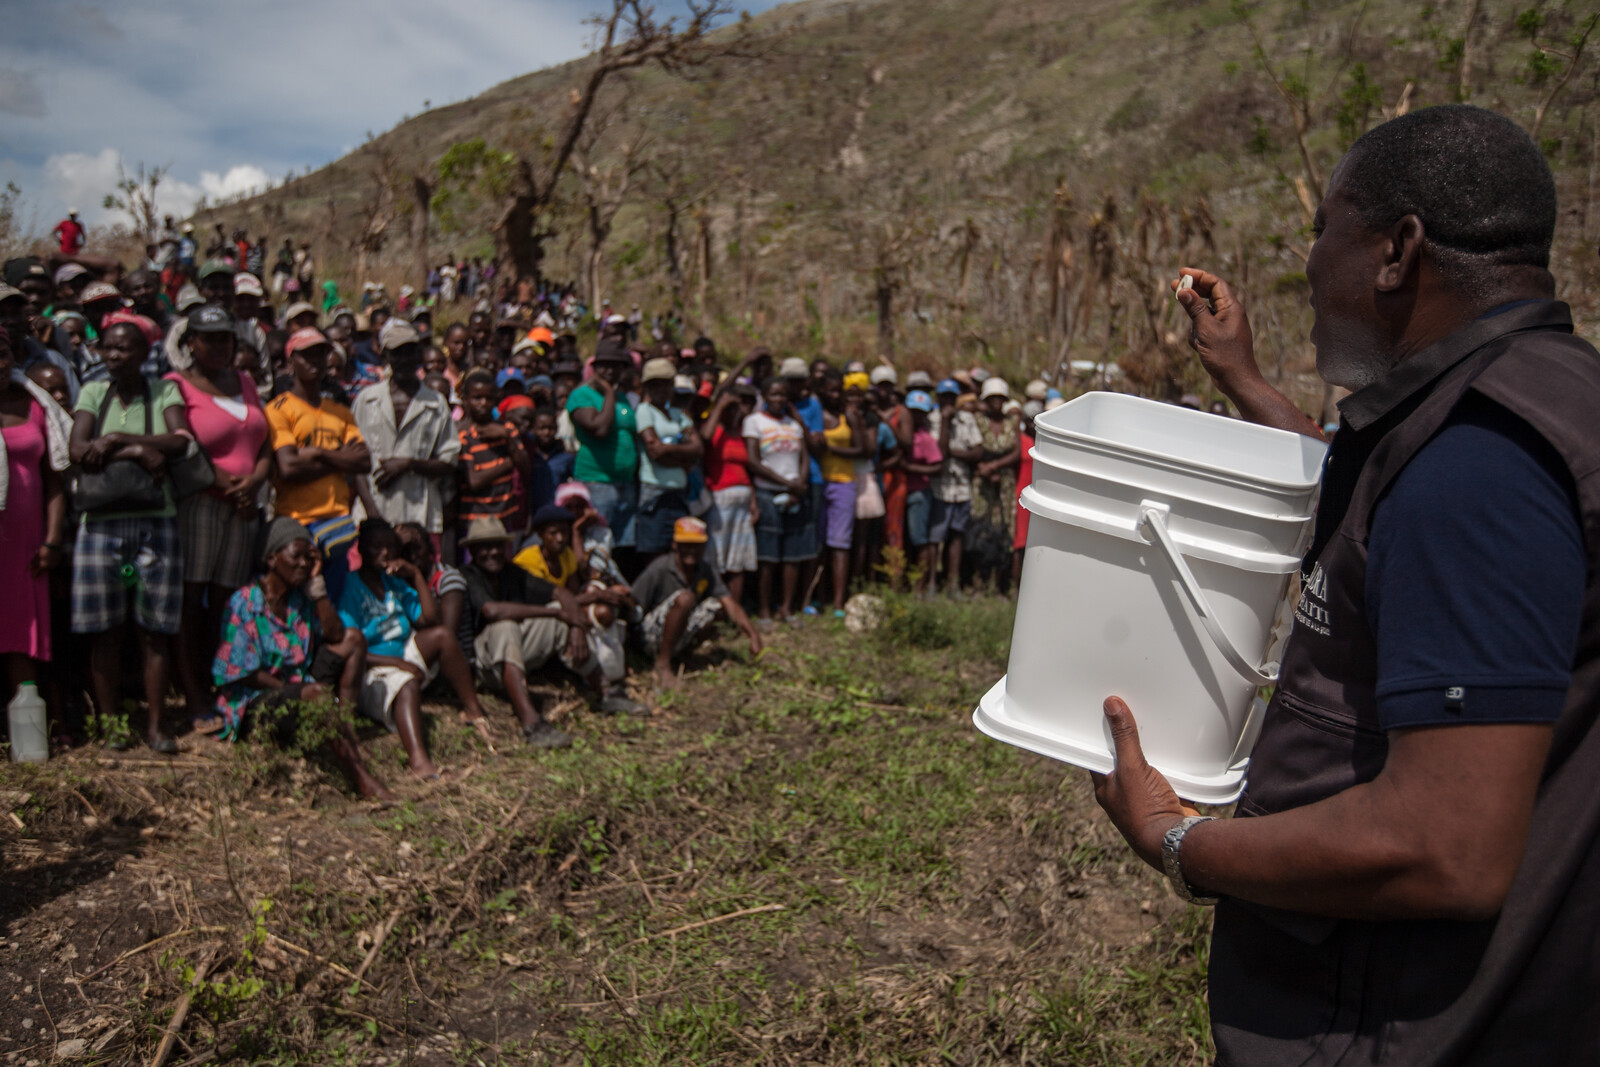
x,y
1171,847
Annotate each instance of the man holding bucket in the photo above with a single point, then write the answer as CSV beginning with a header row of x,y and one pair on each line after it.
x,y
1412,876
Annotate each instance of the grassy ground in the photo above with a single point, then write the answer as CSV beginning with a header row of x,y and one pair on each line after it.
x,y
809,859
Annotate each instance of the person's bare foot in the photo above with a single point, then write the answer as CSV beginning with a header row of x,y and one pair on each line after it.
x,y
372,789
425,770
665,679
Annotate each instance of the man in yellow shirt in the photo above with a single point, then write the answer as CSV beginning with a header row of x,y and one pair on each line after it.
x,y
318,454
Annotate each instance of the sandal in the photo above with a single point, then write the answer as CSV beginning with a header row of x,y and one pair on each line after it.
x,y
165,746
208,724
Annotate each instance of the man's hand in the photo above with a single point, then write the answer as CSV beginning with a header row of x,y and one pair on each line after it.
x,y
1219,329
390,469
1140,802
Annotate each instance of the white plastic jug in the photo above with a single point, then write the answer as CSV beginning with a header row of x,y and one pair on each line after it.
x,y
1161,546
30,732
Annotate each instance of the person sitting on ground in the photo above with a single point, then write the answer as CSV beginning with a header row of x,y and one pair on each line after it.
x,y
681,595
285,650
388,599
556,555
521,623
447,583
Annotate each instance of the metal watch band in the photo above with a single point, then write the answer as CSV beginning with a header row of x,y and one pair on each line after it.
x,y
1171,850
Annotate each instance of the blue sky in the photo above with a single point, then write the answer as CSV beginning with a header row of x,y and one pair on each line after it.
x,y
233,93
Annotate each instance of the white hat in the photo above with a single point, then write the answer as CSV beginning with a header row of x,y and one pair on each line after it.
x,y
613,320
1038,389
1054,402
794,367
882,376
994,387
295,310
682,383
525,344
247,284
659,369
919,379
72,211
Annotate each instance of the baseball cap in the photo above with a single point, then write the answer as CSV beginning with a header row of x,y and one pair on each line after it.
x,y
566,366
247,284
515,401
395,334
917,400
1038,390
526,344
949,385
23,267
96,291
68,271
1053,403
919,379
682,383
980,375
882,376
211,318
856,380
659,370
188,297
609,351
8,292
689,531
994,387
509,374
541,335
299,307
215,266
422,311
794,367
310,337
542,380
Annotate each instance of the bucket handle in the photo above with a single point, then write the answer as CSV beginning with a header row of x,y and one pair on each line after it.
x,y
1153,516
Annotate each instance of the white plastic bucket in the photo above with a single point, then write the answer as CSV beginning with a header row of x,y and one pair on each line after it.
x,y
1161,545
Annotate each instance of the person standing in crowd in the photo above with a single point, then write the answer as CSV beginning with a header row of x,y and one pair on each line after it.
x,y
318,452
69,234
842,441
26,348
807,409
217,526
681,594
454,342
283,267
413,443
33,514
607,459
776,456
923,461
128,561
491,457
285,651
994,501
547,443
390,601
961,444
669,447
732,518
892,409
1030,411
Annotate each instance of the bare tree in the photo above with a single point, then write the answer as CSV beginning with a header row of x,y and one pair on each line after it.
x,y
1550,65
136,197
379,210
630,36
605,183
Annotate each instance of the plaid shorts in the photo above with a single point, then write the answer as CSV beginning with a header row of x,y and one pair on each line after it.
x,y
700,620
219,545
99,597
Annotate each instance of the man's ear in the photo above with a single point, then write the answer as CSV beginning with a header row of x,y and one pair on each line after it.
x,y
1402,254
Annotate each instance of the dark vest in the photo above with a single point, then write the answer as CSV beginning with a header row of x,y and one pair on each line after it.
x,y
1289,988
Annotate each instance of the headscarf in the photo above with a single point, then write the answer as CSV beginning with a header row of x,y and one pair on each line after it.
x,y
284,532
142,323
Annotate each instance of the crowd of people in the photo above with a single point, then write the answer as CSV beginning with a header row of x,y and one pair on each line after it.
x,y
272,507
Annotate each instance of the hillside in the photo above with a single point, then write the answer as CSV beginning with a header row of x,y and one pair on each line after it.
x,y
1008,180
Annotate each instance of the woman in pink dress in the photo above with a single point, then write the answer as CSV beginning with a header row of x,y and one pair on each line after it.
x,y
33,515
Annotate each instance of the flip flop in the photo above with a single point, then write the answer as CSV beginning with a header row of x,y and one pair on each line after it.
x,y
481,727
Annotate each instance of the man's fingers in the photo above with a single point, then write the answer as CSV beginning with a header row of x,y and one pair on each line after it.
x,y
1124,734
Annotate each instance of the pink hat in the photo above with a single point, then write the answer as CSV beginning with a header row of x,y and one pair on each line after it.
x,y
146,326
306,338
573,491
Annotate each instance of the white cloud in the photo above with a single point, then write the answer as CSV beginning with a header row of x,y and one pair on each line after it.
x,y
82,181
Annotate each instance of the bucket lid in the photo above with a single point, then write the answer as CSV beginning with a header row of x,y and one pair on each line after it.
x,y
1182,437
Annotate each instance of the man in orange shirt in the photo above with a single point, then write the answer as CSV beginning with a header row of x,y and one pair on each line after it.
x,y
318,453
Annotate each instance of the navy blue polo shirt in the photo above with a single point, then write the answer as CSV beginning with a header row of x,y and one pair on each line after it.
x,y
1475,577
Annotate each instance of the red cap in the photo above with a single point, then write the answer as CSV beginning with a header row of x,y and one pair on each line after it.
x,y
306,338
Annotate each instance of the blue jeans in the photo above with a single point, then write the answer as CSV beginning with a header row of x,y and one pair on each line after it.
x,y
617,503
